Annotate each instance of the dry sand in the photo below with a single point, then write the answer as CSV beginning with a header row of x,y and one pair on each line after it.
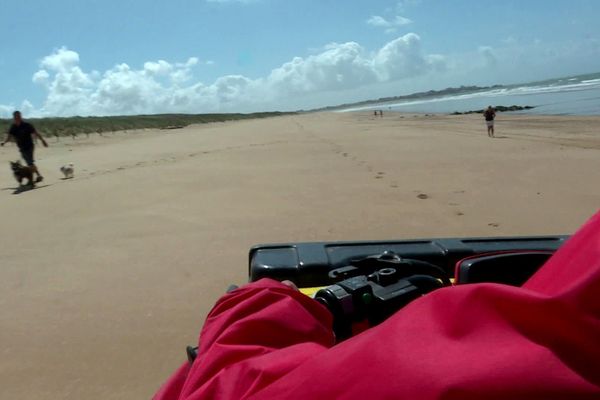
x,y
105,278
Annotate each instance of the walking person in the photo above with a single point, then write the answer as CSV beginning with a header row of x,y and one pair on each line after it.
x,y
22,132
489,115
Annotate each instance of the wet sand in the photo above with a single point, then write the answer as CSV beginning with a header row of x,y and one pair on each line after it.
x,y
105,278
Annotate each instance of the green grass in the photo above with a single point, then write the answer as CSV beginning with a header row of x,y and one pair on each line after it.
x,y
74,126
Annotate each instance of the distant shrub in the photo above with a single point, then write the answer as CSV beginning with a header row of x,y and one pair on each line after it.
x,y
71,126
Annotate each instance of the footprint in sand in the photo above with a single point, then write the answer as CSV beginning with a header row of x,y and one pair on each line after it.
x,y
494,224
423,196
395,186
379,175
460,213
345,154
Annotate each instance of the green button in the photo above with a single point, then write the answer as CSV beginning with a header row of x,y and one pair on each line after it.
x,y
367,298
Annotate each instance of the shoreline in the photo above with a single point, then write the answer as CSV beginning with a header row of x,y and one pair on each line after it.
x,y
526,112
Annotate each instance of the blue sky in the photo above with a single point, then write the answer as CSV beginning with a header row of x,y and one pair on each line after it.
x,y
67,57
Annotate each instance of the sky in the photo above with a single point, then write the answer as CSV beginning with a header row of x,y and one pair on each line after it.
x,y
109,57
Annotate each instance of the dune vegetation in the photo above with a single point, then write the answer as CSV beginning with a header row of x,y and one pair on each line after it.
x,y
76,126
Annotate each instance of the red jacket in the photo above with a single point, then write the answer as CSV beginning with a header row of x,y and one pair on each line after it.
x,y
480,341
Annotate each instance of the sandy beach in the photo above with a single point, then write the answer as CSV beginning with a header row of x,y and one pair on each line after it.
x,y
105,278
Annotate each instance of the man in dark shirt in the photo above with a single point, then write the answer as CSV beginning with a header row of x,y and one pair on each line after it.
x,y
489,115
22,132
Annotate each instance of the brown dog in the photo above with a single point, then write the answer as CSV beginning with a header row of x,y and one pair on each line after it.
x,y
22,172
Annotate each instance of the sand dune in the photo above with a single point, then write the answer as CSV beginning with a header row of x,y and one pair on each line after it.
x,y
106,277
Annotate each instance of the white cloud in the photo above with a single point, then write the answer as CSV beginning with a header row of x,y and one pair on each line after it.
x,y
339,66
489,56
26,107
60,60
377,20
159,67
41,76
66,83
402,58
5,111
390,25
162,86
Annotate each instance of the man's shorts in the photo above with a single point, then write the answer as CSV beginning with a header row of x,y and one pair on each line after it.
x,y
490,124
27,155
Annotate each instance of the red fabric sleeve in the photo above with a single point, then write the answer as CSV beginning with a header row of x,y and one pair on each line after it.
x,y
252,337
540,341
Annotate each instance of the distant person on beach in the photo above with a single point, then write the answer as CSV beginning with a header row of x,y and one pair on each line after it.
x,y
22,133
489,115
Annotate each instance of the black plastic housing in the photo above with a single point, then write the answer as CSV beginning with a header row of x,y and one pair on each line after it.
x,y
308,264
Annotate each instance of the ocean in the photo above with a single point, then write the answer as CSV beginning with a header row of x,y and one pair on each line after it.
x,y
576,95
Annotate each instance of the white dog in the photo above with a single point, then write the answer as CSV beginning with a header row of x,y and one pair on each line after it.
x,y
68,170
